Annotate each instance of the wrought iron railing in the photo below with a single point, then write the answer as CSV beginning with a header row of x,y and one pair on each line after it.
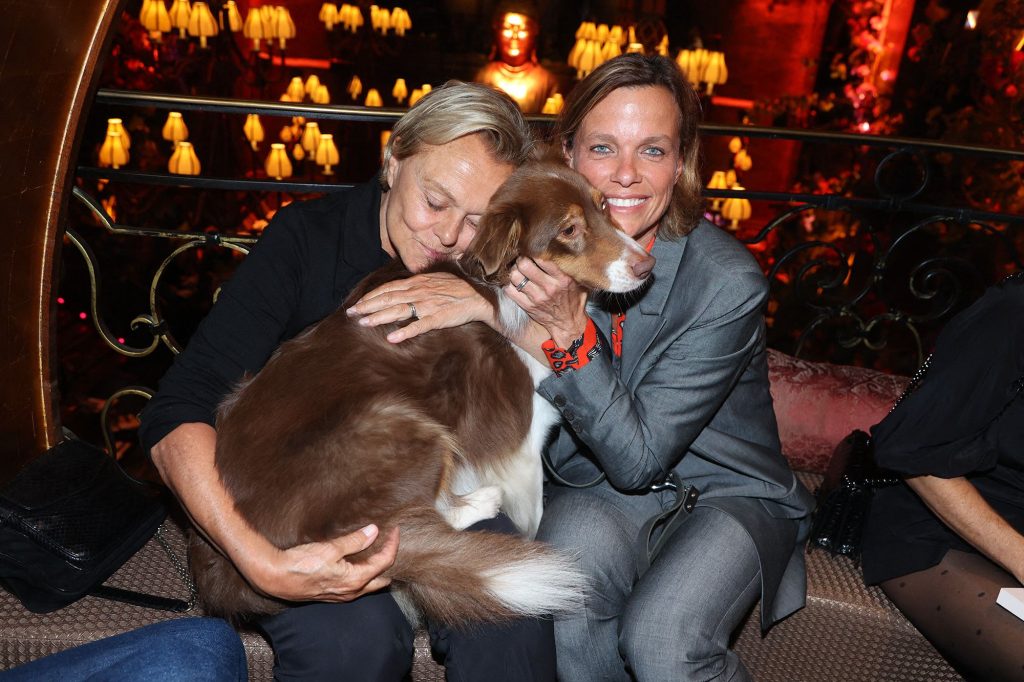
x,y
866,274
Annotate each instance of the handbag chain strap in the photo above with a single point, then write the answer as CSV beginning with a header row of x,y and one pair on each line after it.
x,y
179,568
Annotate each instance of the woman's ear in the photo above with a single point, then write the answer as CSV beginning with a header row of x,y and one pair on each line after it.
x,y
495,245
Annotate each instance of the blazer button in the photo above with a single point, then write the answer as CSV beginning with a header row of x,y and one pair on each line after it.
x,y
559,400
570,416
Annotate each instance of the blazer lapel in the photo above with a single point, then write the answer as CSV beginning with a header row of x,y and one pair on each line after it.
x,y
645,320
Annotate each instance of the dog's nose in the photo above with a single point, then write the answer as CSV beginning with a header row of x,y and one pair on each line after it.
x,y
642,268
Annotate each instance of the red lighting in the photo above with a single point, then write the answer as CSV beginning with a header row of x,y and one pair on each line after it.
x,y
60,300
82,316
865,127
120,339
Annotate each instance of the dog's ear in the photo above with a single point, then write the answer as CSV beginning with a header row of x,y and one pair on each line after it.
x,y
495,245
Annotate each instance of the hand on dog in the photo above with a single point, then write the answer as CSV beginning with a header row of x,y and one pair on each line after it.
x,y
551,298
322,571
441,299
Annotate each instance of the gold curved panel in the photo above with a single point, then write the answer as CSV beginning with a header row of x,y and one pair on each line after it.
x,y
52,49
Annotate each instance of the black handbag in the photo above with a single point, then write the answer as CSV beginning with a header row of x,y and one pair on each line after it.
x,y
68,520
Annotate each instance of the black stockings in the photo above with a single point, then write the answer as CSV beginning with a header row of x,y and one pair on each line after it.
x,y
954,605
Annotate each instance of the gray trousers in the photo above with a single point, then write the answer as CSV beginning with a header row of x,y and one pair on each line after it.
x,y
672,624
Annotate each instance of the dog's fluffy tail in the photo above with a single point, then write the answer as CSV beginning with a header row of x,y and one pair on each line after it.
x,y
461,577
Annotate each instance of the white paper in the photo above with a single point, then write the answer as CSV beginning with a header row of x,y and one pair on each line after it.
x,y
1012,599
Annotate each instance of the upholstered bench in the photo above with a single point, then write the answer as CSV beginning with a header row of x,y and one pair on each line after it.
x,y
846,632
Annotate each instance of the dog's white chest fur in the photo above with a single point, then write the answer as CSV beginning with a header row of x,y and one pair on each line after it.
x,y
515,485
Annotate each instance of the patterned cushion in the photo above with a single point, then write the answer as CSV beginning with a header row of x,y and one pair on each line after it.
x,y
818,404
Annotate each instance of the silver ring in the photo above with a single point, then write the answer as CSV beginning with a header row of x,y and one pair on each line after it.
x,y
521,285
412,311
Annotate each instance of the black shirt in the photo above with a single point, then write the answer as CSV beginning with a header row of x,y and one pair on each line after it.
x,y
966,419
303,266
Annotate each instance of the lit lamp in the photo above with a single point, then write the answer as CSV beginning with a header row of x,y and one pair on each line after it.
x,y
234,17
201,23
312,83
311,137
278,165
716,73
113,153
736,209
253,130
717,182
426,87
329,15
742,161
155,19
175,129
373,98
662,47
267,19
296,90
735,145
114,125
298,153
327,153
415,96
355,87
400,21
184,160
321,95
635,48
180,13
253,28
400,91
284,27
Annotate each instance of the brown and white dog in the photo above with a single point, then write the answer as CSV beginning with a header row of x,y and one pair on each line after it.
x,y
342,428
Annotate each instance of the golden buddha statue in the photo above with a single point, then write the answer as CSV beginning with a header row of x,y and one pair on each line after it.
x,y
515,69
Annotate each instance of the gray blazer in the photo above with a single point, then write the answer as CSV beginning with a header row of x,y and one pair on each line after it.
x,y
690,393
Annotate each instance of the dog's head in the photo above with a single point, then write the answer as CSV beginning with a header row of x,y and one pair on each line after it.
x,y
546,210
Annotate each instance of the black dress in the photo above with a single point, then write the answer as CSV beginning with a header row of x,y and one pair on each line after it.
x,y
965,419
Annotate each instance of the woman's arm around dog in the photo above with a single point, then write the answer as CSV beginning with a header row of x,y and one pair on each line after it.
x,y
311,572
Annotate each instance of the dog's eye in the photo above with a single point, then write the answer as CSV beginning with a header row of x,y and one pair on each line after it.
x,y
569,231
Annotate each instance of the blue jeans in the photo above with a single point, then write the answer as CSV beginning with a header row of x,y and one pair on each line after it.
x,y
179,650
674,623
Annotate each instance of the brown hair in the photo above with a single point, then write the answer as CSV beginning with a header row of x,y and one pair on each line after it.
x,y
637,71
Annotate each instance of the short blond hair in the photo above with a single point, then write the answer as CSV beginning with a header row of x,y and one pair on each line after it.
x,y
457,109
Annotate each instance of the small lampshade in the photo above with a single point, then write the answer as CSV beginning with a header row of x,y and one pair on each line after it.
x,y
736,209
730,178
321,95
735,145
426,87
233,17
373,98
715,73
284,27
113,153
662,47
267,15
385,135
180,13
327,153
311,137
253,130
184,160
635,48
400,91
114,125
355,18
742,161
400,21
415,96
573,59
288,134
717,182
201,23
683,61
253,28
278,165
602,33
617,35
298,153
312,83
154,18
175,129
355,87
296,90
329,15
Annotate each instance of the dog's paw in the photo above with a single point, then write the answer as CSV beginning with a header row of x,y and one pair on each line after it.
x,y
482,503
